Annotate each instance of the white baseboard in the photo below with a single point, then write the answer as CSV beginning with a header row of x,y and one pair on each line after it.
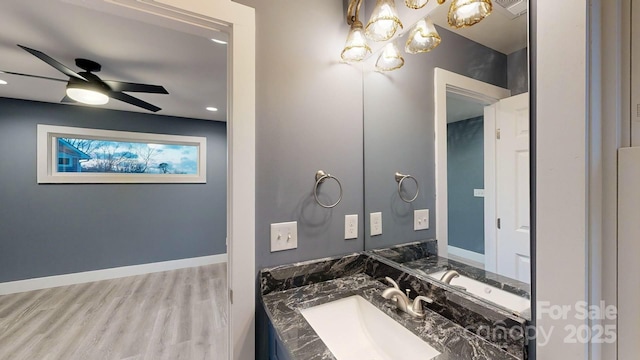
x,y
465,256
106,274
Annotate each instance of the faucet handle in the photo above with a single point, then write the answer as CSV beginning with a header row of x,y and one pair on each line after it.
x,y
417,305
393,283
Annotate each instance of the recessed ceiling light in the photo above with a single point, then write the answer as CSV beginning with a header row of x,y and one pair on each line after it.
x,y
2,82
211,108
219,41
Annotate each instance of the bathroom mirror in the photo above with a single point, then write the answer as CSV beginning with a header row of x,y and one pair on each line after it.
x,y
455,120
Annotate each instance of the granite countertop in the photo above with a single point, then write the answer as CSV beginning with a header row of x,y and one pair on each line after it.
x,y
435,263
293,331
421,259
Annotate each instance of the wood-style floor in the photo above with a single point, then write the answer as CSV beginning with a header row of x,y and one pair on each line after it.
x,y
180,314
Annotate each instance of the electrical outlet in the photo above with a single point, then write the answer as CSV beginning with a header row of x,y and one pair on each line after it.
x,y
284,236
421,219
376,223
351,227
478,192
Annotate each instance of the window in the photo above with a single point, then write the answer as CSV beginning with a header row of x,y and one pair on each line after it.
x,y
80,155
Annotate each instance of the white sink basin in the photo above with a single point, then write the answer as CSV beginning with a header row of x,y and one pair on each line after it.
x,y
354,329
498,296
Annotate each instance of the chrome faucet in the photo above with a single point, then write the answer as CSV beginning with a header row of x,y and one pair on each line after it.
x,y
450,275
403,302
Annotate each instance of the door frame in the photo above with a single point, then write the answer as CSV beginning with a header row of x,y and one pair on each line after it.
x,y
447,81
239,22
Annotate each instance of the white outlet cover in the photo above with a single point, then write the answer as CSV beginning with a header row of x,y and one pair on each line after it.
x,y
478,192
376,223
350,227
421,219
284,236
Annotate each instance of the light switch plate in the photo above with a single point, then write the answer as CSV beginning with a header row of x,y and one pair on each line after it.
x,y
478,193
350,227
376,223
284,236
421,219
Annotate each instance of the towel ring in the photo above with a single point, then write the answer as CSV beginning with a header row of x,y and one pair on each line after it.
x,y
401,178
321,176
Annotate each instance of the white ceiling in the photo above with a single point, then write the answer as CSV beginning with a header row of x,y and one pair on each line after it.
x,y
180,57
462,108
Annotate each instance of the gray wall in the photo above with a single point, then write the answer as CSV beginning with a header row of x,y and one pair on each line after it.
x,y
518,71
57,229
308,117
399,131
465,172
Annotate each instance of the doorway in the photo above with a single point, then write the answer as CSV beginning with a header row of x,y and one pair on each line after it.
x,y
239,22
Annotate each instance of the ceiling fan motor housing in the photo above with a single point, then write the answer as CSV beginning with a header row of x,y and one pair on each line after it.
x,y
88,65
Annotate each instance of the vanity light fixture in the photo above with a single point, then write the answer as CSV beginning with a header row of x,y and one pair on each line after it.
x,y
86,93
416,4
384,21
356,47
464,13
390,59
422,38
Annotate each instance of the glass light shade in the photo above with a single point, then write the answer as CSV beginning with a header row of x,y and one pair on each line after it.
x,y
463,13
390,59
384,21
356,47
422,38
415,4
87,96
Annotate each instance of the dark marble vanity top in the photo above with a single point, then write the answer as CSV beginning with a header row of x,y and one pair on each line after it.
x,y
453,341
421,258
435,263
282,302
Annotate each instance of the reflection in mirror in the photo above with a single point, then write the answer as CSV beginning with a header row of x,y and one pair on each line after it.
x,y
456,119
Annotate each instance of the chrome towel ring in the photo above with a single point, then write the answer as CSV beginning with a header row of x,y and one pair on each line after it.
x,y
400,178
321,176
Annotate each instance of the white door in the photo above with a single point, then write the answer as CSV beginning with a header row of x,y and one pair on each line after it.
x,y
512,188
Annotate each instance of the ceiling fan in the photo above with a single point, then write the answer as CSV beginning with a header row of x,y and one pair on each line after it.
x,y
87,88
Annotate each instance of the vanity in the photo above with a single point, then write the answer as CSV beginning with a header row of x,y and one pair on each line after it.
x,y
334,309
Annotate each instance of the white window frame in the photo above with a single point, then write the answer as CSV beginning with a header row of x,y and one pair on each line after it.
x,y
47,157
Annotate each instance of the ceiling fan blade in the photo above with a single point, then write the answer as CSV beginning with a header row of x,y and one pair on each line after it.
x,y
52,62
133,87
68,100
133,101
33,76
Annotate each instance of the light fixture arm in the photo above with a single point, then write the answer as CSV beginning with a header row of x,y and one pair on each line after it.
x,y
353,11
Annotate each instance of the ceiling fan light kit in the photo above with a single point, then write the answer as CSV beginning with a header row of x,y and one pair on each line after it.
x,y
88,88
385,23
86,95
